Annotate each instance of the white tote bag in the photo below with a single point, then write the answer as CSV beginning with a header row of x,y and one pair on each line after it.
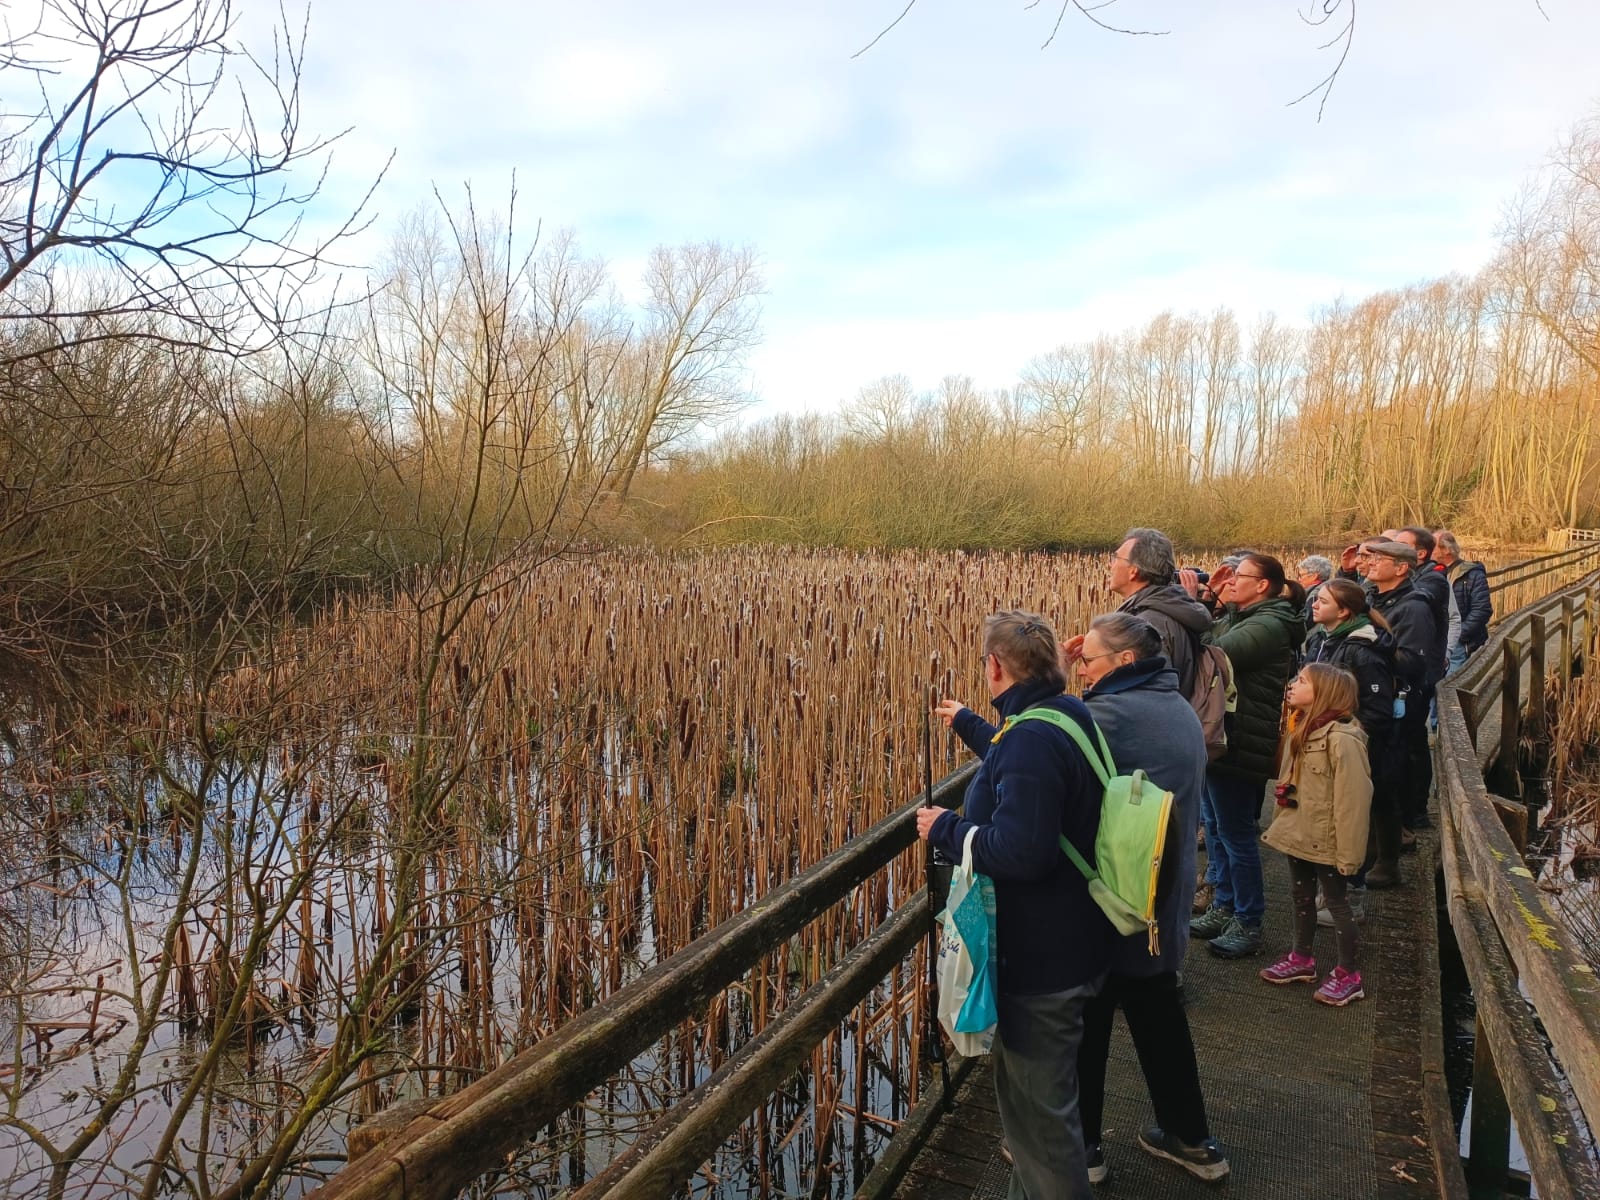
x,y
967,959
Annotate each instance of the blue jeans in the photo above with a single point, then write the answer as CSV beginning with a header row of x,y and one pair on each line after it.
x,y
1457,657
1233,842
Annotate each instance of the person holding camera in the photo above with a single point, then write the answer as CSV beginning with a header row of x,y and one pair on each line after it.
x,y
1261,632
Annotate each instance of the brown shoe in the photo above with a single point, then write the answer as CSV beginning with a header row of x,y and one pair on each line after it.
x,y
1203,896
1385,873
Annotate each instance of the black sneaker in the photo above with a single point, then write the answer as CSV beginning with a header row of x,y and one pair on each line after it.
x,y
1098,1171
1204,1161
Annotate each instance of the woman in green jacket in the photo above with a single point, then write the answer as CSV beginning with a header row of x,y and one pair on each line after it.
x,y
1261,630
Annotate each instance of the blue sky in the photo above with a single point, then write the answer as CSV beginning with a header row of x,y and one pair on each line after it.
x,y
959,199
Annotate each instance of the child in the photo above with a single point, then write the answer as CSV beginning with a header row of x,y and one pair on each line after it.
x,y
1324,798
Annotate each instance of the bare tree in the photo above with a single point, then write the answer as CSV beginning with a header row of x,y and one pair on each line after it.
x,y
152,169
701,318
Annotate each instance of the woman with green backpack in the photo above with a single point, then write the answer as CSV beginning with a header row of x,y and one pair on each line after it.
x,y
1133,694
1033,788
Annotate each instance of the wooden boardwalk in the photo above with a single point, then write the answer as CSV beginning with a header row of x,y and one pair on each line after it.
x,y
1307,1100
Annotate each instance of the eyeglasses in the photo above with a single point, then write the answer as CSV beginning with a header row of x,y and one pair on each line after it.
x,y
1092,657
1119,558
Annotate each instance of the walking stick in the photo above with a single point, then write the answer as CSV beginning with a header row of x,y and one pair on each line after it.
x,y
932,1042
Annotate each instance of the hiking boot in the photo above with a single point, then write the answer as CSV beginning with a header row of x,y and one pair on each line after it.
x,y
1210,923
1238,939
1291,968
1204,1161
1358,907
1340,988
1098,1171
1385,873
1204,896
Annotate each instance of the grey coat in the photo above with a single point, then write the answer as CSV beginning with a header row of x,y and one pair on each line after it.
x,y
1149,726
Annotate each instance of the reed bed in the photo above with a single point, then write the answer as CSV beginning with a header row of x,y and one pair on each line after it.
x,y
425,833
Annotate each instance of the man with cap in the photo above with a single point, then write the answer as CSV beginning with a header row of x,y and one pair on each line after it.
x,y
1388,569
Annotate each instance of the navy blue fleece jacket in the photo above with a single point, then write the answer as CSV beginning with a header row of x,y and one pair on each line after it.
x,y
1033,785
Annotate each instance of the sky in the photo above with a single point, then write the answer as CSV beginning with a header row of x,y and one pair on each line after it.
x,y
962,197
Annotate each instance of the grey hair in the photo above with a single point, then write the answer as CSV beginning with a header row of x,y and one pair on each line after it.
x,y
1152,555
1124,631
1318,565
1445,538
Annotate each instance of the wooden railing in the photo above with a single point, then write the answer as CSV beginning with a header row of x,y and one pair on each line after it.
x,y
1537,1050
466,1135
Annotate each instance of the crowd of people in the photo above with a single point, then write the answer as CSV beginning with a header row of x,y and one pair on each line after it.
x,y
1333,672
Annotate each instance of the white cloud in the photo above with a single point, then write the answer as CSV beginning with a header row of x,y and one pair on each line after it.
x,y
957,199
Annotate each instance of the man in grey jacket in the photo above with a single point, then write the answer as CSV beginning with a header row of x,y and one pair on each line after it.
x,y
1144,572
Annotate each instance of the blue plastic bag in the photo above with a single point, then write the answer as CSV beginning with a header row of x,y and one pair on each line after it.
x,y
968,959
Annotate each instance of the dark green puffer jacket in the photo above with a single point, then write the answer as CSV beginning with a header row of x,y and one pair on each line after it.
x,y
1261,642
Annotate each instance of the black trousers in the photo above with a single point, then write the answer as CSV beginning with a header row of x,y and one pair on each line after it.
x,y
1416,757
1153,1008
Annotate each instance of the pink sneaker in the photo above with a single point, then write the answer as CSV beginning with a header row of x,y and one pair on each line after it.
x,y
1291,968
1341,987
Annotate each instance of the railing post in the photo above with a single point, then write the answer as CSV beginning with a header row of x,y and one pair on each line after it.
x,y
1566,640
1489,1151
1505,779
1536,659
1469,710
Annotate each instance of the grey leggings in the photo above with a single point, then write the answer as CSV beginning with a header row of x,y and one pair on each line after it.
x,y
1304,877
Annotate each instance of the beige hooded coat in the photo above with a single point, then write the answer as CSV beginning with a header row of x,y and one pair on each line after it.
x,y
1333,798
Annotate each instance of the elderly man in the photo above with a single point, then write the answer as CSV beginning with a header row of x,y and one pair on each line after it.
x,y
1469,585
1142,572
1389,567
1313,571
1434,588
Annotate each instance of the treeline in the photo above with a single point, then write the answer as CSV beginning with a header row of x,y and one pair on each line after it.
x,y
477,405
1472,401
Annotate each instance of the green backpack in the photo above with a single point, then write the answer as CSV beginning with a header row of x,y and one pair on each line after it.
x,y
1134,818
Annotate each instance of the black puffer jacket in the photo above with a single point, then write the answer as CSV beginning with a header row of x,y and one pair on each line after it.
x,y
1367,652
1262,642
1434,588
1411,624
1471,584
1180,619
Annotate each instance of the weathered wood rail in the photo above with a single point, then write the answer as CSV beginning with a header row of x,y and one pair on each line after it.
x,y
470,1133
1537,1048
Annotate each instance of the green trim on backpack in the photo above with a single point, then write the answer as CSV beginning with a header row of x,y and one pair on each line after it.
x,y
1134,818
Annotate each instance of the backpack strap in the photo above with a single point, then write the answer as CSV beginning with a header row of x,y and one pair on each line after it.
x,y
1101,762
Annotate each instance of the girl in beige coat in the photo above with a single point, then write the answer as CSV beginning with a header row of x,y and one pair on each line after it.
x,y
1324,796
